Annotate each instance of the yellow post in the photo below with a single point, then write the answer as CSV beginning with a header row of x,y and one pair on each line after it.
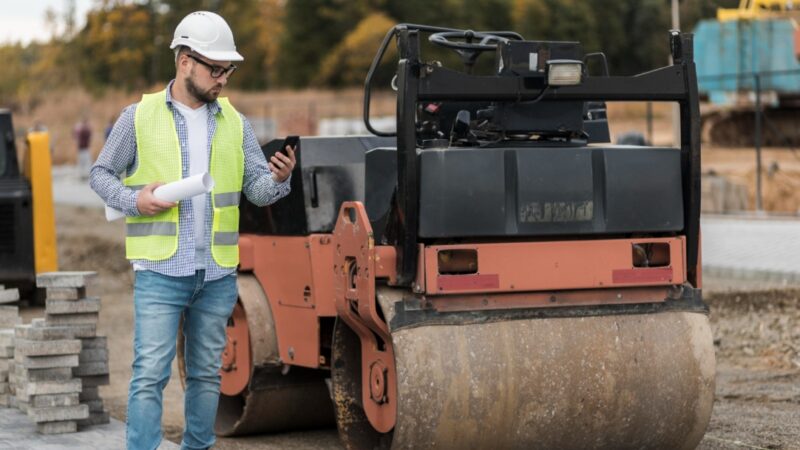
x,y
37,169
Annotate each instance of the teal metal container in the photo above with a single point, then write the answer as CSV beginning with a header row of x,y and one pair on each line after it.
x,y
745,47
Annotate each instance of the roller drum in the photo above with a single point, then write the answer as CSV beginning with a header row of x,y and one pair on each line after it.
x,y
636,381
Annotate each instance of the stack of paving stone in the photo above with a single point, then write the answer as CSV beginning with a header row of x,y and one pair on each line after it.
x,y
68,307
46,389
9,318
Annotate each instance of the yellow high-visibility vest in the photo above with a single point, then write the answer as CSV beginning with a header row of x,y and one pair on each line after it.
x,y
155,238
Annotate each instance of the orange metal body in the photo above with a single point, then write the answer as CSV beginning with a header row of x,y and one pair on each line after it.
x,y
297,276
554,266
354,287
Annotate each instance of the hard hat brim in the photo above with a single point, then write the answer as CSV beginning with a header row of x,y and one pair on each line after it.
x,y
222,56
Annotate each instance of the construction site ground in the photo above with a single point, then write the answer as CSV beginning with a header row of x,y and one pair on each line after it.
x,y
755,326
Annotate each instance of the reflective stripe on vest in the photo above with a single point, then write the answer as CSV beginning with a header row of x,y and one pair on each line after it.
x,y
151,229
227,199
159,158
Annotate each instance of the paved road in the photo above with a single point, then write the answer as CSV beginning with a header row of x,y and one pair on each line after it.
x,y
18,432
70,189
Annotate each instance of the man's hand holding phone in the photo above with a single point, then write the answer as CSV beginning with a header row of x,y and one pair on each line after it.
x,y
282,162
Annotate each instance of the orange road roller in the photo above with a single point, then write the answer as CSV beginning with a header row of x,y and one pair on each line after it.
x,y
492,273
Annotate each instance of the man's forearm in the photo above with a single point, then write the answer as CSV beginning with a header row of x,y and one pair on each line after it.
x,y
116,195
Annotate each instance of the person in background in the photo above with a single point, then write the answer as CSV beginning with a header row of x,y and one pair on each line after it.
x,y
83,137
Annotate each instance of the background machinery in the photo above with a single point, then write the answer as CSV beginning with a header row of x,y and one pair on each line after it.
x,y
747,59
492,275
27,220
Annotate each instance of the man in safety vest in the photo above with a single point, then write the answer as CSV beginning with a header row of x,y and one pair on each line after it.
x,y
185,254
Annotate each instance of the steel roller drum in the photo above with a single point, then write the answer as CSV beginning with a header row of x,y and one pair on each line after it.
x,y
603,382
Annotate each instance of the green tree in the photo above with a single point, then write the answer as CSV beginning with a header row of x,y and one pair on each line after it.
x,y
116,47
348,63
313,28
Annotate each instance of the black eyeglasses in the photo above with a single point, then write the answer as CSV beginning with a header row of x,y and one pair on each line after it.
x,y
216,71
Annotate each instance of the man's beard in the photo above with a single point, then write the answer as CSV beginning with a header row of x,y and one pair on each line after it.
x,y
205,97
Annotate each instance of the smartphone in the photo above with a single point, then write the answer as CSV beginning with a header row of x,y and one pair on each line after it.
x,y
291,141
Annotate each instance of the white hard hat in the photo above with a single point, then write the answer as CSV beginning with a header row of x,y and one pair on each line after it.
x,y
207,34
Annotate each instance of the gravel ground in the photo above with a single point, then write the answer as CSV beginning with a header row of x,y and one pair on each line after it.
x,y
756,329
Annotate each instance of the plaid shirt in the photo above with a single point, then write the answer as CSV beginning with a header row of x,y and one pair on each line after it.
x,y
119,155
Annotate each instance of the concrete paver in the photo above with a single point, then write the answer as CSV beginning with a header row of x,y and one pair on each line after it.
x,y
18,432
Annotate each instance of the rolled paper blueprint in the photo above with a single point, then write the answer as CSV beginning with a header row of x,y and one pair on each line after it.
x,y
174,192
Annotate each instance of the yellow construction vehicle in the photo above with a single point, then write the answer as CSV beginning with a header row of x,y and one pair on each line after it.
x,y
27,221
758,9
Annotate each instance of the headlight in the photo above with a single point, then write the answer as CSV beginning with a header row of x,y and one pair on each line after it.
x,y
564,72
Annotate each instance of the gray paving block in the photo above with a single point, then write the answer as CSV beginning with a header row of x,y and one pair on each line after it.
x,y
94,381
27,347
94,342
45,333
6,352
4,400
64,279
54,374
54,400
94,405
38,322
61,427
65,293
58,413
89,393
50,387
9,316
21,404
9,295
46,362
95,418
90,369
5,363
84,305
7,337
4,387
71,319
93,355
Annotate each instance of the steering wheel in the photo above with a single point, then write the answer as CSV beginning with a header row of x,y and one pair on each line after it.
x,y
466,45
487,40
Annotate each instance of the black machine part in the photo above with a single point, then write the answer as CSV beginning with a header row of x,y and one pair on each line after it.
x,y
16,213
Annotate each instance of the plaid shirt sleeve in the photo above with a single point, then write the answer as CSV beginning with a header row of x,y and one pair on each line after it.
x,y
258,185
118,155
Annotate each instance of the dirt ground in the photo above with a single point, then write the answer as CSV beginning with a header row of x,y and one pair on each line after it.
x,y
756,329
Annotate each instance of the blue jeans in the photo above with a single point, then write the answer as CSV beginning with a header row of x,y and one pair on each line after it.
x,y
159,303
